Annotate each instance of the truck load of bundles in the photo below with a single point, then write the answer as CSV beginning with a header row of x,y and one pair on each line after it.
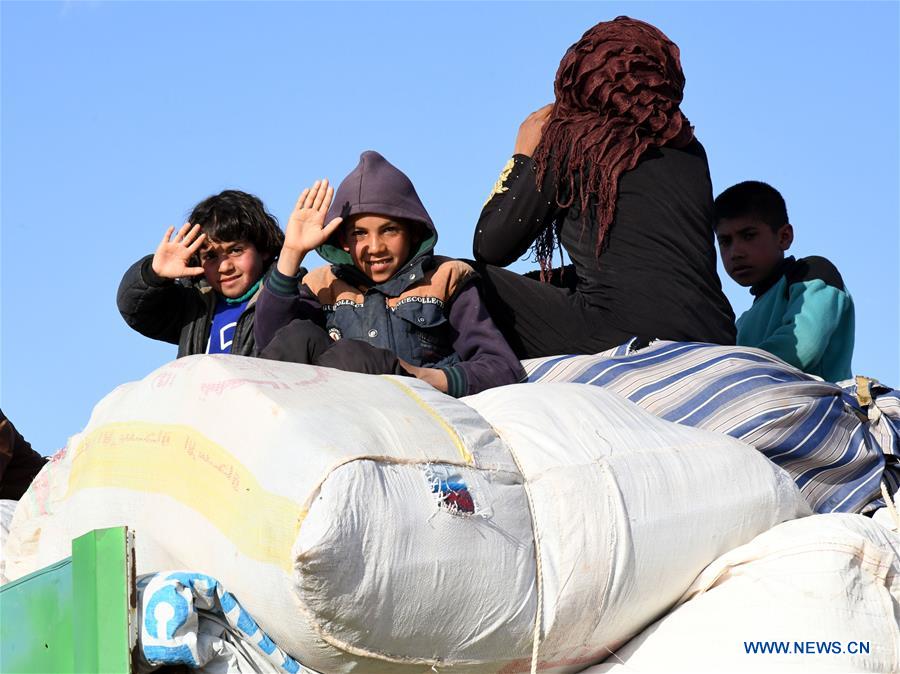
x,y
373,524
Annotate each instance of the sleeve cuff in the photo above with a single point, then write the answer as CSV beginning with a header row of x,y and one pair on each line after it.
x,y
523,160
457,381
150,277
285,286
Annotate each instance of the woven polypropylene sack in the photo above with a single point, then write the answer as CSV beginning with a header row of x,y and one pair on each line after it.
x,y
818,594
7,509
628,508
375,524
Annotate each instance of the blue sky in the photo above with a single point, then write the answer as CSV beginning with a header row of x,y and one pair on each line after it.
x,y
117,117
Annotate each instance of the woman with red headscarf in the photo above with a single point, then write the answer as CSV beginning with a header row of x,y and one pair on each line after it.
x,y
612,174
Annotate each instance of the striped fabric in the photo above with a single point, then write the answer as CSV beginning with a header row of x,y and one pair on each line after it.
x,y
836,442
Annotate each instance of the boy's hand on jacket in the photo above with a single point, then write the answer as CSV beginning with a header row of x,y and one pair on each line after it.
x,y
172,257
306,229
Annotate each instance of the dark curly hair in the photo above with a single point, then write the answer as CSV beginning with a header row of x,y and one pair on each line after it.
x,y
233,215
618,91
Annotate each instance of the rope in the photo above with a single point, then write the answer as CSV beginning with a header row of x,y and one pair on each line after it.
x,y
891,506
539,576
538,569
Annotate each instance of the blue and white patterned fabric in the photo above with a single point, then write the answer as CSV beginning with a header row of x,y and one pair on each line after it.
x,y
837,443
190,619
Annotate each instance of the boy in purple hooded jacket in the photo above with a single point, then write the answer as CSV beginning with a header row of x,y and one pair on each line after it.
x,y
385,304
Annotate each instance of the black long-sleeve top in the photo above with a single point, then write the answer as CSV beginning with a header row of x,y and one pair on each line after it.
x,y
656,276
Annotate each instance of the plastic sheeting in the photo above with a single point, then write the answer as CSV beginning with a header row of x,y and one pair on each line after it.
x,y
189,619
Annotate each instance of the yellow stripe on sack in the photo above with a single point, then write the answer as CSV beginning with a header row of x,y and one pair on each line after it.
x,y
189,467
454,436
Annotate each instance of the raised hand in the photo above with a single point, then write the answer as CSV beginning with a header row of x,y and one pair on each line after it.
x,y
530,131
306,229
172,257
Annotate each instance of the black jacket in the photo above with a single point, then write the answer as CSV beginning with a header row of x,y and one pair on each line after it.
x,y
656,276
178,312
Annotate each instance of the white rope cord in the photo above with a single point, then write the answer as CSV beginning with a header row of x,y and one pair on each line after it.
x,y
538,569
891,505
539,581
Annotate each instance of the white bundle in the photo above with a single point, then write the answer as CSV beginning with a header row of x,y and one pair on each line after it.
x,y
375,524
818,594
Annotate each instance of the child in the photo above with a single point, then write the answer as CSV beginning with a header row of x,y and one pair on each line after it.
x,y
384,289
229,240
801,310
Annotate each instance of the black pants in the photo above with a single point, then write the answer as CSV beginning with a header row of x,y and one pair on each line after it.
x,y
546,319
302,341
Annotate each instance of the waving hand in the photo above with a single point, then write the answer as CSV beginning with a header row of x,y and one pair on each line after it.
x,y
306,228
172,257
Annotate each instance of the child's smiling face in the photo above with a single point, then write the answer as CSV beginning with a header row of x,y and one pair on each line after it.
x,y
378,246
231,268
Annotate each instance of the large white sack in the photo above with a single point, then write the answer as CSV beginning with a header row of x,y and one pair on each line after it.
x,y
7,509
887,519
324,501
628,507
823,590
216,461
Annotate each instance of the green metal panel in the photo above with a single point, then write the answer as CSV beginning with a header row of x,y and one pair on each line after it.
x,y
36,622
101,573
77,616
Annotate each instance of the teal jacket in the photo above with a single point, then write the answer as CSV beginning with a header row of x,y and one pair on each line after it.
x,y
804,315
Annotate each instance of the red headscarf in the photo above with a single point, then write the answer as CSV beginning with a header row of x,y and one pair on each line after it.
x,y
617,93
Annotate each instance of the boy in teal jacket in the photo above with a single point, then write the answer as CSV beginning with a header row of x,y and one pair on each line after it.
x,y
801,309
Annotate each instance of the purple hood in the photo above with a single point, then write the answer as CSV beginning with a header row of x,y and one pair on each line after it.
x,y
377,187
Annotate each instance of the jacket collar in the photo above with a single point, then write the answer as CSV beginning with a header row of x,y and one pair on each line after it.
x,y
780,270
408,275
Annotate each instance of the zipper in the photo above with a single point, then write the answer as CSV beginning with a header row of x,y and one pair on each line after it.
x,y
390,323
239,330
